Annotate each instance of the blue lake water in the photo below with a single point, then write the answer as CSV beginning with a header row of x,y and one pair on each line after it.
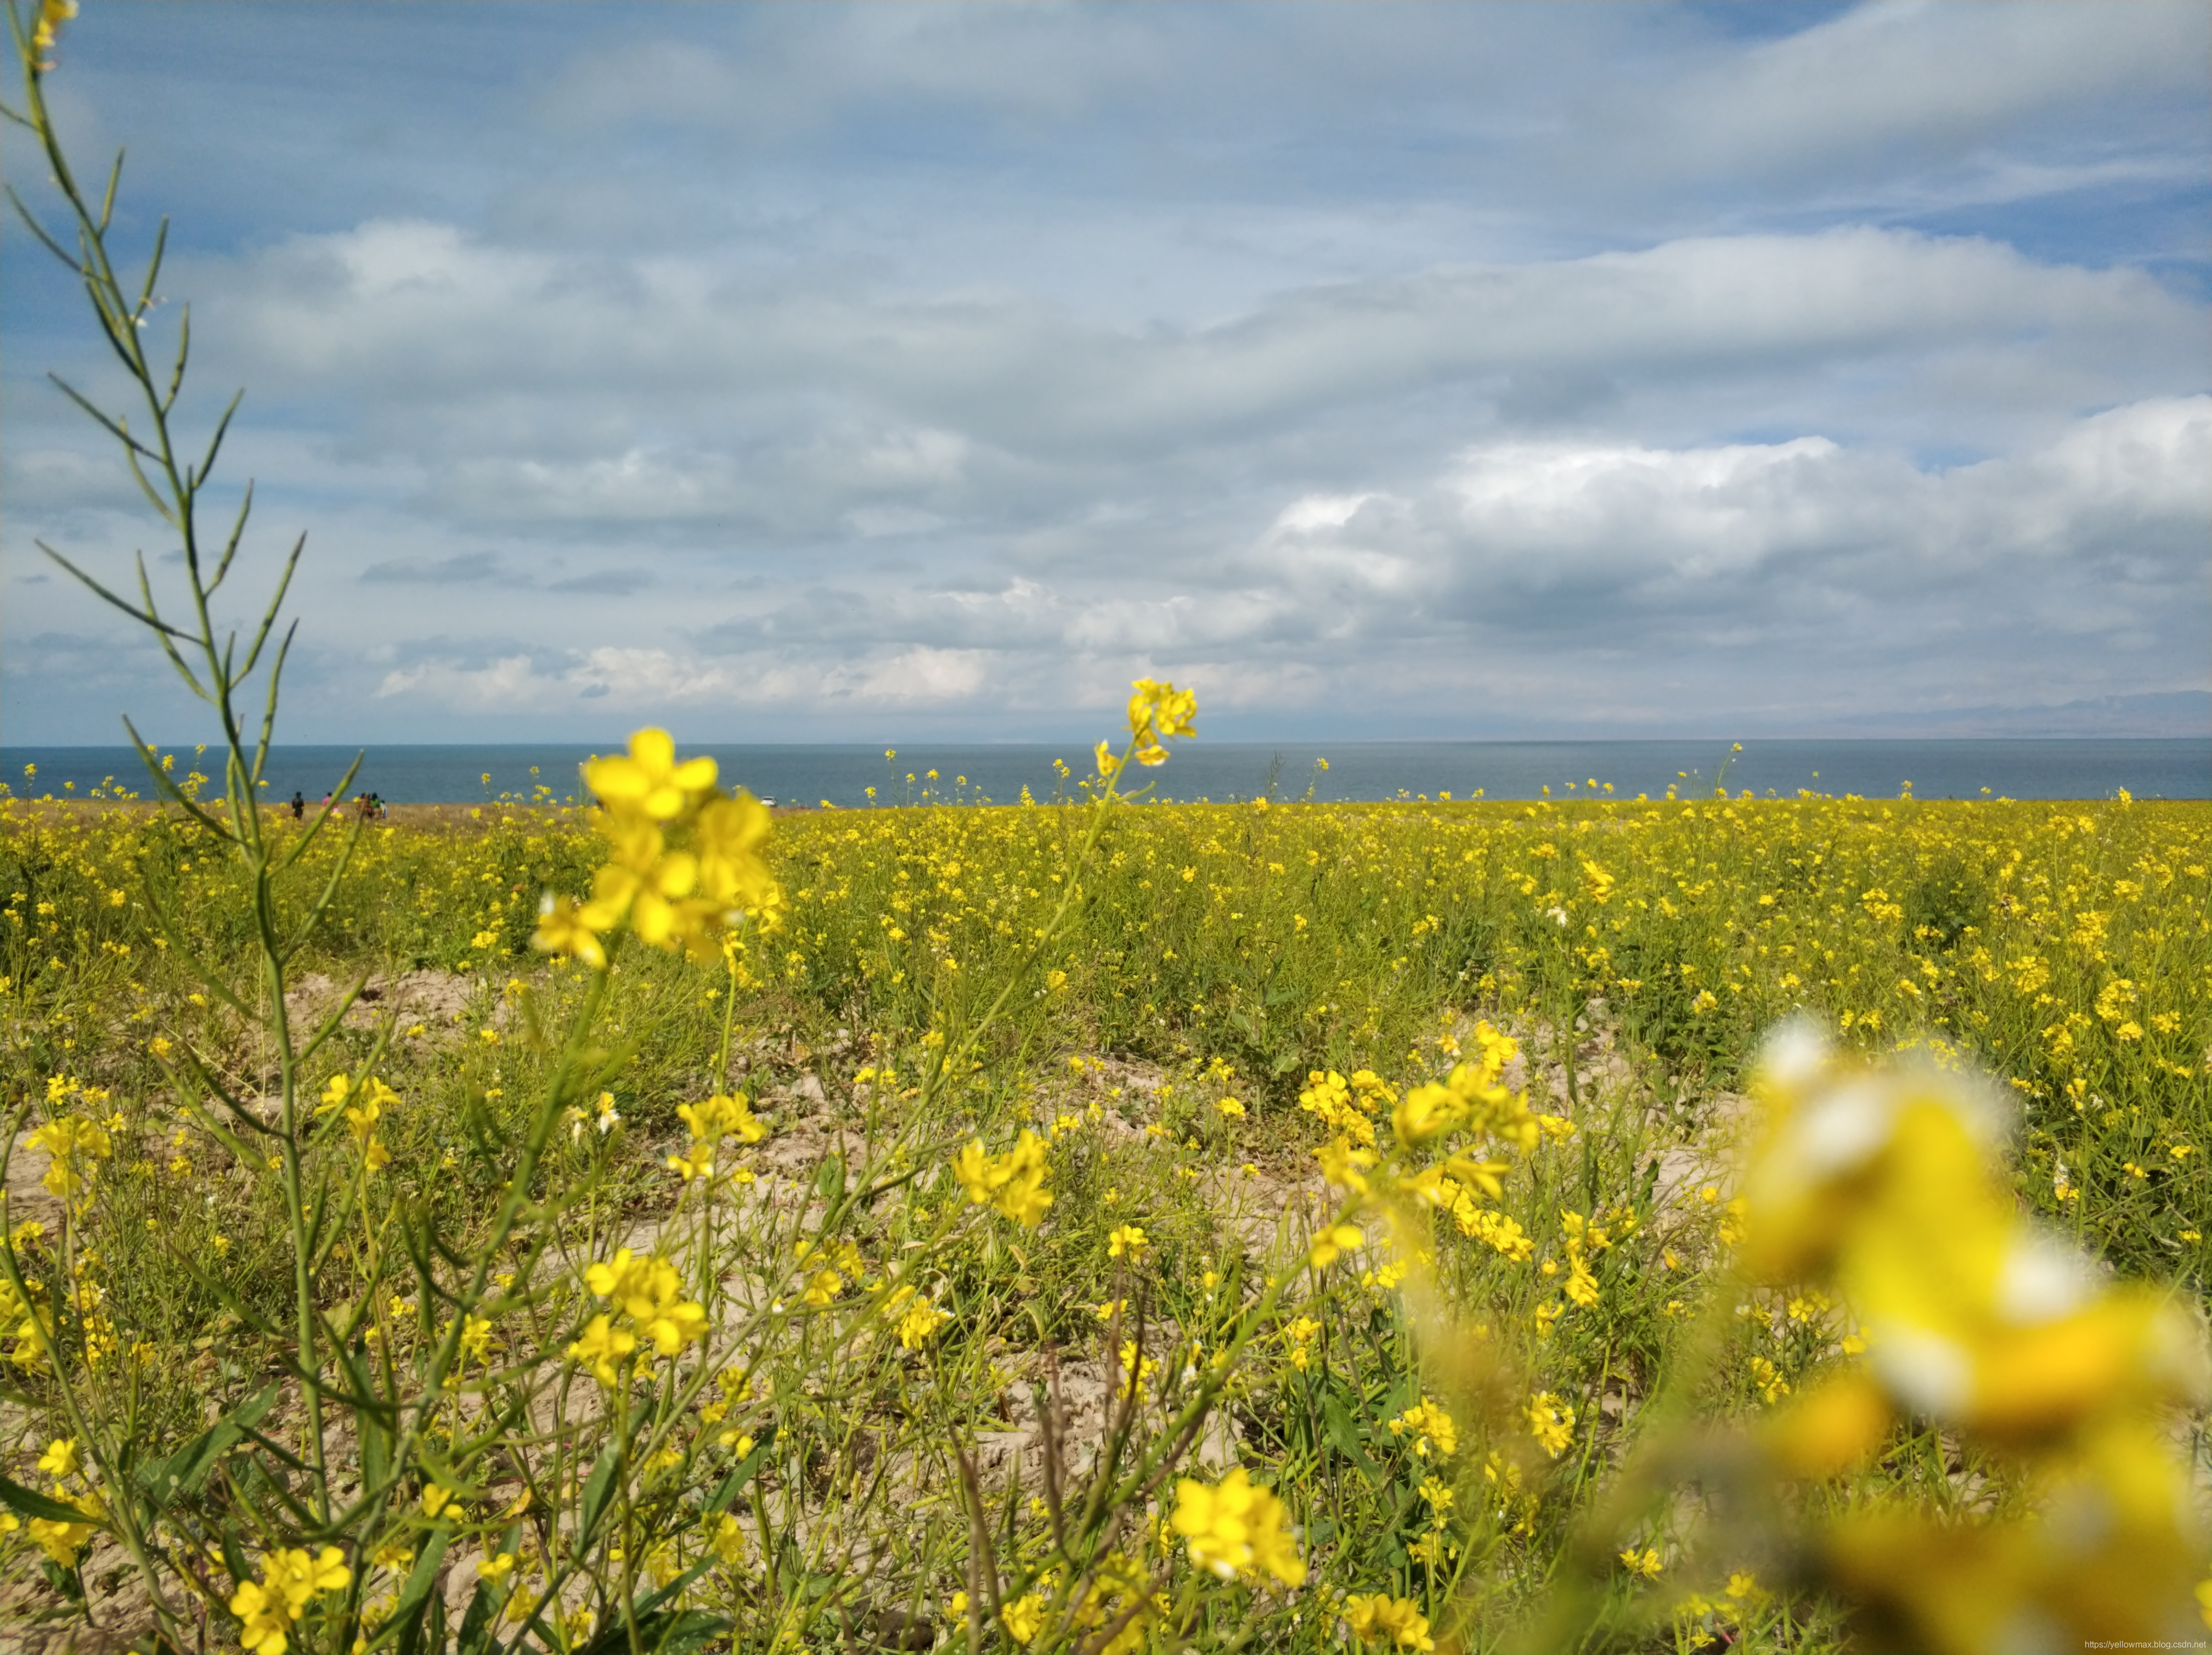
x,y
2058,768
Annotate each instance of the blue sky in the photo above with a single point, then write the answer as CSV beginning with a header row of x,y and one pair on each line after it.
x,y
891,372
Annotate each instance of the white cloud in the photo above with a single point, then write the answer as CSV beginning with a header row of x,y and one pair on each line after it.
x,y
525,389
918,674
1786,539
1936,81
854,362
1320,511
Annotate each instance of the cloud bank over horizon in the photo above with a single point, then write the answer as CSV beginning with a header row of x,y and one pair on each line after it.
x,y
883,372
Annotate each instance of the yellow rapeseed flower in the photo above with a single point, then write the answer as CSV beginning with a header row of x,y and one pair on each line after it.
x,y
1332,1243
920,1324
1157,709
1552,1423
52,14
60,1459
60,1541
1236,1528
604,1345
289,1581
563,927
1393,1622
1012,1183
1645,1563
648,780
74,1145
1430,1427
265,1623
1023,1618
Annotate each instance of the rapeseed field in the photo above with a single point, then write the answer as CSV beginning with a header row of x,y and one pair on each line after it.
x,y
1691,1223
1099,1224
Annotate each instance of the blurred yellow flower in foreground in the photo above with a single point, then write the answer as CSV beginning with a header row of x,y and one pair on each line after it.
x,y
52,14
1887,1184
1236,1528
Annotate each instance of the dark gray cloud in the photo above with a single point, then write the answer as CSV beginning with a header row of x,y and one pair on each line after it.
x,y
462,568
605,582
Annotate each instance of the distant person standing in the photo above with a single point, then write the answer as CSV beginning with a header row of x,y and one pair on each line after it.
x,y
299,804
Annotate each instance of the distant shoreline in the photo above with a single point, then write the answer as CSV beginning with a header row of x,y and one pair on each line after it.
x,y
850,775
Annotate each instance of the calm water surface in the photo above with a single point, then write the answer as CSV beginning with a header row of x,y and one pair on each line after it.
x,y
2069,769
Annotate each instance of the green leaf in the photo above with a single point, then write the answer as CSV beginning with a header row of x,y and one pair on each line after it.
x,y
481,1622
375,1434
235,1559
598,1488
419,1595
741,1474
1344,1431
31,1503
184,1471
476,1623
689,1629
664,1635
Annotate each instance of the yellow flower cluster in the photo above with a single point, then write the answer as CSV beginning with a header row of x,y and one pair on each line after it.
x,y
720,1116
1429,1427
61,1539
646,1292
1120,1595
1012,1183
364,1107
30,1323
1584,1238
671,897
1552,1423
918,1324
1346,1107
52,14
76,1147
1237,1529
1160,709
1494,1229
1392,1622
1471,1099
289,1580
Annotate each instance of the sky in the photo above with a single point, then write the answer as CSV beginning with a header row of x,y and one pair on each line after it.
x,y
889,372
